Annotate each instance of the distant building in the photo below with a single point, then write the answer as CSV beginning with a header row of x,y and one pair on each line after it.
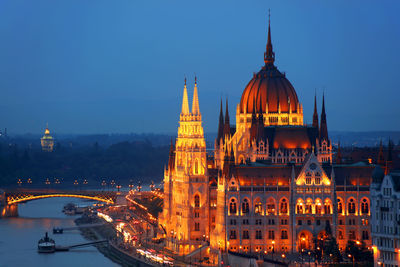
x,y
47,141
385,218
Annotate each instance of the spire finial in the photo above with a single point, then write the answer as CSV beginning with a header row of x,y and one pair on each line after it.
x,y
269,16
269,55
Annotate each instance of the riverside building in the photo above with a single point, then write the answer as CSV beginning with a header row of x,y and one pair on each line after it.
x,y
385,209
270,185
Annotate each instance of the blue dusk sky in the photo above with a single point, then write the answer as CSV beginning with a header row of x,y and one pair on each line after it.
x,y
92,66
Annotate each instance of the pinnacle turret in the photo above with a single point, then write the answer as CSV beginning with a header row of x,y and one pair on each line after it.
x,y
195,103
185,101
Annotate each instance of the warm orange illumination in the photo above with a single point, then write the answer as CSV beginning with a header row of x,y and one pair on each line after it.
x,y
12,200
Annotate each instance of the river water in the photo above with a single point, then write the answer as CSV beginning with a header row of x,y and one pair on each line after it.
x,y
19,237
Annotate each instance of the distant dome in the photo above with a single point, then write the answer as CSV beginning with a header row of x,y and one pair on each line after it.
x,y
270,86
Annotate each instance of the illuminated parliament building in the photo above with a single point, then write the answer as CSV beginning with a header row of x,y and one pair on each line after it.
x,y
272,183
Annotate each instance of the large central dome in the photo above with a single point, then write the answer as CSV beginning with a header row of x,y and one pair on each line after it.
x,y
269,87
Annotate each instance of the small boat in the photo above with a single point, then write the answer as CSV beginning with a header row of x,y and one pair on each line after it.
x,y
46,245
57,230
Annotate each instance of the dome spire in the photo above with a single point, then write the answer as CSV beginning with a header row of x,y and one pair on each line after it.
x,y
269,55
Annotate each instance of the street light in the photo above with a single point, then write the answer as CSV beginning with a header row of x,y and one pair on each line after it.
x,y
112,183
273,248
131,185
152,186
29,181
103,184
19,182
351,256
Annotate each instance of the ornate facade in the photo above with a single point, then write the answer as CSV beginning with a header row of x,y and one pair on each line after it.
x,y
270,185
186,201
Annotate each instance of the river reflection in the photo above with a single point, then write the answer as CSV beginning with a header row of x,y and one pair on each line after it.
x,y
19,236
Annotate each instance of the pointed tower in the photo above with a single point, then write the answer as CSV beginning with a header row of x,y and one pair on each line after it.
x,y
186,207
171,159
338,155
195,103
220,126
269,55
389,158
315,115
381,158
323,132
185,101
227,125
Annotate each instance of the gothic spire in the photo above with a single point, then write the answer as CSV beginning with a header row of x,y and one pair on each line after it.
x,y
227,125
269,55
315,115
195,103
381,158
388,166
323,132
185,101
220,125
171,160
339,155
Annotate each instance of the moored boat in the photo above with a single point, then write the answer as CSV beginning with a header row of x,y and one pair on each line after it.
x,y
46,245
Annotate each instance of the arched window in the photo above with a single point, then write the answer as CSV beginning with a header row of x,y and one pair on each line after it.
x,y
364,206
308,206
284,206
196,201
340,206
327,207
232,206
245,206
308,178
258,208
318,207
196,167
299,207
351,207
271,207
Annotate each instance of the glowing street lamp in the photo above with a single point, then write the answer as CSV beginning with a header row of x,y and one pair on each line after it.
x,y
19,182
47,181
85,182
131,186
112,183
118,187
29,181
152,186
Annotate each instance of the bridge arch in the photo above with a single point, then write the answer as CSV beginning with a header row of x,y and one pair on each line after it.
x,y
15,199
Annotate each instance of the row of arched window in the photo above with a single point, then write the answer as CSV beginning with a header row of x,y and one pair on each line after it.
x,y
259,208
302,207
352,206
314,207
